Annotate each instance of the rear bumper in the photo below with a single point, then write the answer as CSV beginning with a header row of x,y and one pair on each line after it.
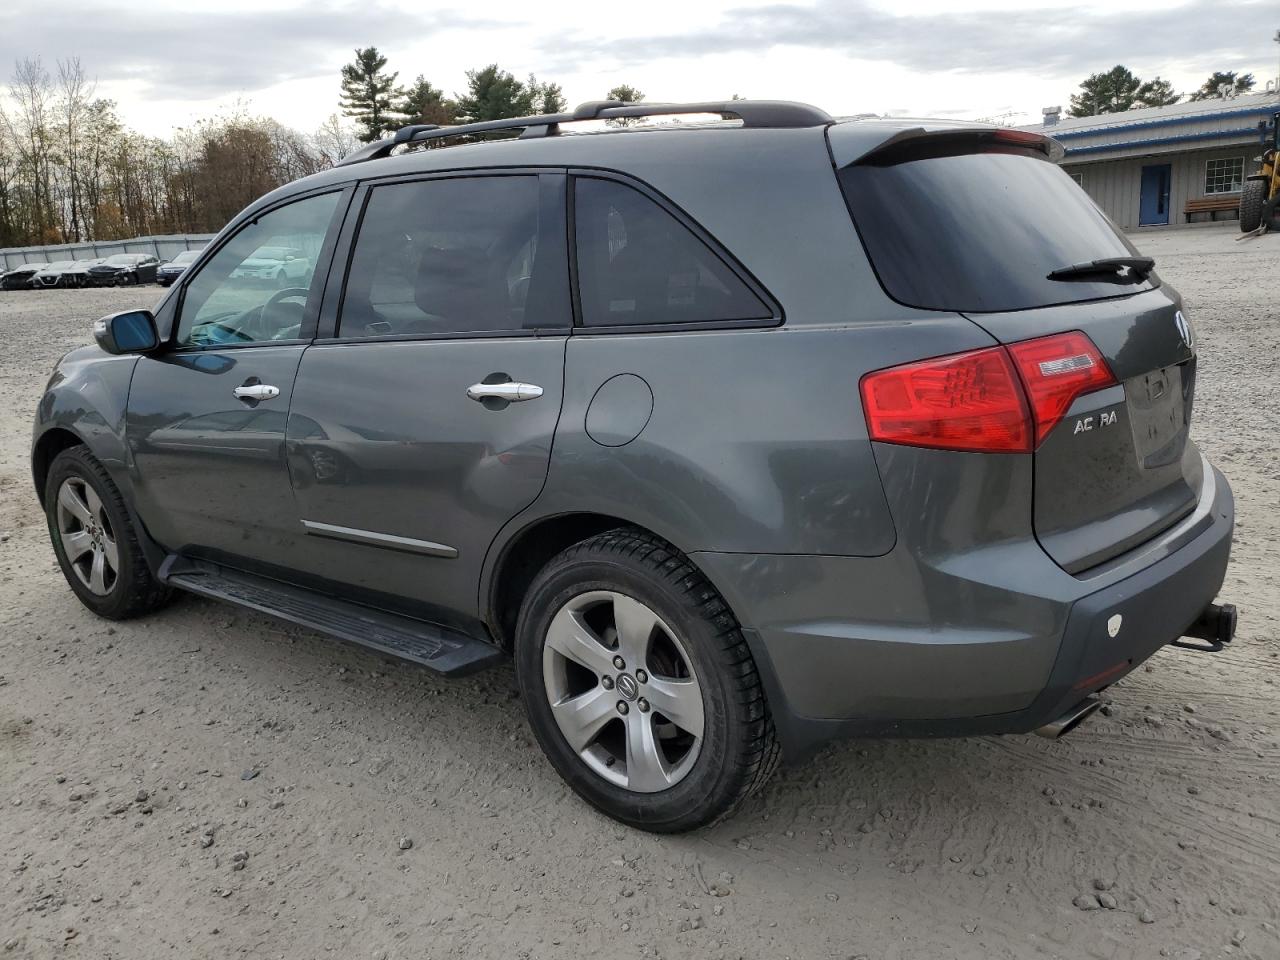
x,y
1003,642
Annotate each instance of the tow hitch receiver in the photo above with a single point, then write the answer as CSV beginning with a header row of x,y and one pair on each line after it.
x,y
1216,625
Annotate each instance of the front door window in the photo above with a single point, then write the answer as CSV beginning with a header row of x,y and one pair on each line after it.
x,y
257,287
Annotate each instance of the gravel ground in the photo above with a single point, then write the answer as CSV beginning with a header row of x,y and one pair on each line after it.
x,y
208,782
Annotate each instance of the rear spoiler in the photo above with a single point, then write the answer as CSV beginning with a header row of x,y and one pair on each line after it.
x,y
866,143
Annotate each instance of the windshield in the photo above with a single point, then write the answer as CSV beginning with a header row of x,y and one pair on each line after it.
x,y
123,259
61,265
185,257
980,232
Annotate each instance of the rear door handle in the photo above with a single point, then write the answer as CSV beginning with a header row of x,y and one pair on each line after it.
x,y
511,391
256,392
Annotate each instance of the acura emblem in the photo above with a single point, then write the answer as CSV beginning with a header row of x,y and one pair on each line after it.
x,y
1184,329
627,686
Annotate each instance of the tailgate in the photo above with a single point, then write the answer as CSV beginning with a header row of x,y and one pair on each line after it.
x,y
1119,468
980,222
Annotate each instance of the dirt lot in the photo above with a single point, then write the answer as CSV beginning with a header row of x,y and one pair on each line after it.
x,y
123,746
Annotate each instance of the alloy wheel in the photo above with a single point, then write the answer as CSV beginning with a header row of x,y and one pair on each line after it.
x,y
87,537
623,691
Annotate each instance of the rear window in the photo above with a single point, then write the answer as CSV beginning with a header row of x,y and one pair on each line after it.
x,y
638,264
980,232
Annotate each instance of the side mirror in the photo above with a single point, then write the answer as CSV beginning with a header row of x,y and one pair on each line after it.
x,y
131,331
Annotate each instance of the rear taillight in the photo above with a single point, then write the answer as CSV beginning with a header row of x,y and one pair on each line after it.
x,y
996,400
967,401
1056,370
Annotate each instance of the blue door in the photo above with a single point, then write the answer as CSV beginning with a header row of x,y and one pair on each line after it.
x,y
1153,205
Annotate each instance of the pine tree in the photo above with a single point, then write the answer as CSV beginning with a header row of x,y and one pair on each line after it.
x,y
1157,93
1244,82
423,102
370,95
1109,92
493,94
627,94
545,97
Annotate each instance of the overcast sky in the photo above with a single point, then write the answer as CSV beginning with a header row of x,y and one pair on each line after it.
x,y
167,64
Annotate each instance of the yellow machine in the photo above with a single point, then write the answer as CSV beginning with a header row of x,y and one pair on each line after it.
x,y
1261,192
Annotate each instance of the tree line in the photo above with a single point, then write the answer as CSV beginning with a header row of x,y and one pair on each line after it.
x,y
378,107
1120,89
71,170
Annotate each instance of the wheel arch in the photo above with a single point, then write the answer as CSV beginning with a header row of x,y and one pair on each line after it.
x,y
516,561
47,446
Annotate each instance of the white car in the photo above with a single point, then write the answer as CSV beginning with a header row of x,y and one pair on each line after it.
x,y
279,265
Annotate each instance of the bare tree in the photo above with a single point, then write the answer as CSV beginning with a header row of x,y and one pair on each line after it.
x,y
70,170
75,94
29,127
334,140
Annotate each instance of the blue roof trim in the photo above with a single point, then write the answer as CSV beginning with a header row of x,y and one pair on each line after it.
x,y
1262,110
1159,141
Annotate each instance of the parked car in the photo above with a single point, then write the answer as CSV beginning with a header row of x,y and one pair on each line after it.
x,y
170,271
739,437
19,278
78,275
124,268
280,266
53,275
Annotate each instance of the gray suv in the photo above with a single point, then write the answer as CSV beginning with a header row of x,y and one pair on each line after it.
x,y
739,435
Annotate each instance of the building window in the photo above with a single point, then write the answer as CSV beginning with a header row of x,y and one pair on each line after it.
x,y
1225,175
1078,178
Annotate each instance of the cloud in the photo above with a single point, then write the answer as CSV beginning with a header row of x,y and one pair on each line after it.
x,y
1048,41
185,53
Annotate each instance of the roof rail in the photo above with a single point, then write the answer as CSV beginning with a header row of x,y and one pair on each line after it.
x,y
753,113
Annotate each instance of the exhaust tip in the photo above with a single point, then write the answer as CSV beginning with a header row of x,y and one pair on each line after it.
x,y
1069,720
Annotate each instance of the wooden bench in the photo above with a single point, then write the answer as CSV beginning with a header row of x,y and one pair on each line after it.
x,y
1211,206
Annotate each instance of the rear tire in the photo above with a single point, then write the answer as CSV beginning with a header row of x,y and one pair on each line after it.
x,y
95,541
656,635
1252,199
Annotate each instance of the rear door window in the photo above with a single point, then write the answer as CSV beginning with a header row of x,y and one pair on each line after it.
x,y
639,265
980,232
457,256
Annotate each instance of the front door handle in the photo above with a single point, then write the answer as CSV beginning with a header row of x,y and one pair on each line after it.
x,y
511,391
256,392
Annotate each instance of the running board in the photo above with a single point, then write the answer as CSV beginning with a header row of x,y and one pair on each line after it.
x,y
437,647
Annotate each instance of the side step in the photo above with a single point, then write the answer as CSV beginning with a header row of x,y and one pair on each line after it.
x,y
440,648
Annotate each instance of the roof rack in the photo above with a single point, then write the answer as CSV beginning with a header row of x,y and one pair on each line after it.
x,y
753,113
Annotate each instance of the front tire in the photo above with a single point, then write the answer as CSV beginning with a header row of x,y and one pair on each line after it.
x,y
639,685
1252,198
95,540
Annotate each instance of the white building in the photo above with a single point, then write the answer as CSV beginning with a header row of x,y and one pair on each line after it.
x,y
1166,165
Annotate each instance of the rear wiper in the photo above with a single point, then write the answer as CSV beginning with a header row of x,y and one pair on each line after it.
x,y
1139,267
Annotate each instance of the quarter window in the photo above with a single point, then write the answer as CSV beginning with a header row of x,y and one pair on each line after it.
x,y
456,256
638,264
1225,175
257,287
